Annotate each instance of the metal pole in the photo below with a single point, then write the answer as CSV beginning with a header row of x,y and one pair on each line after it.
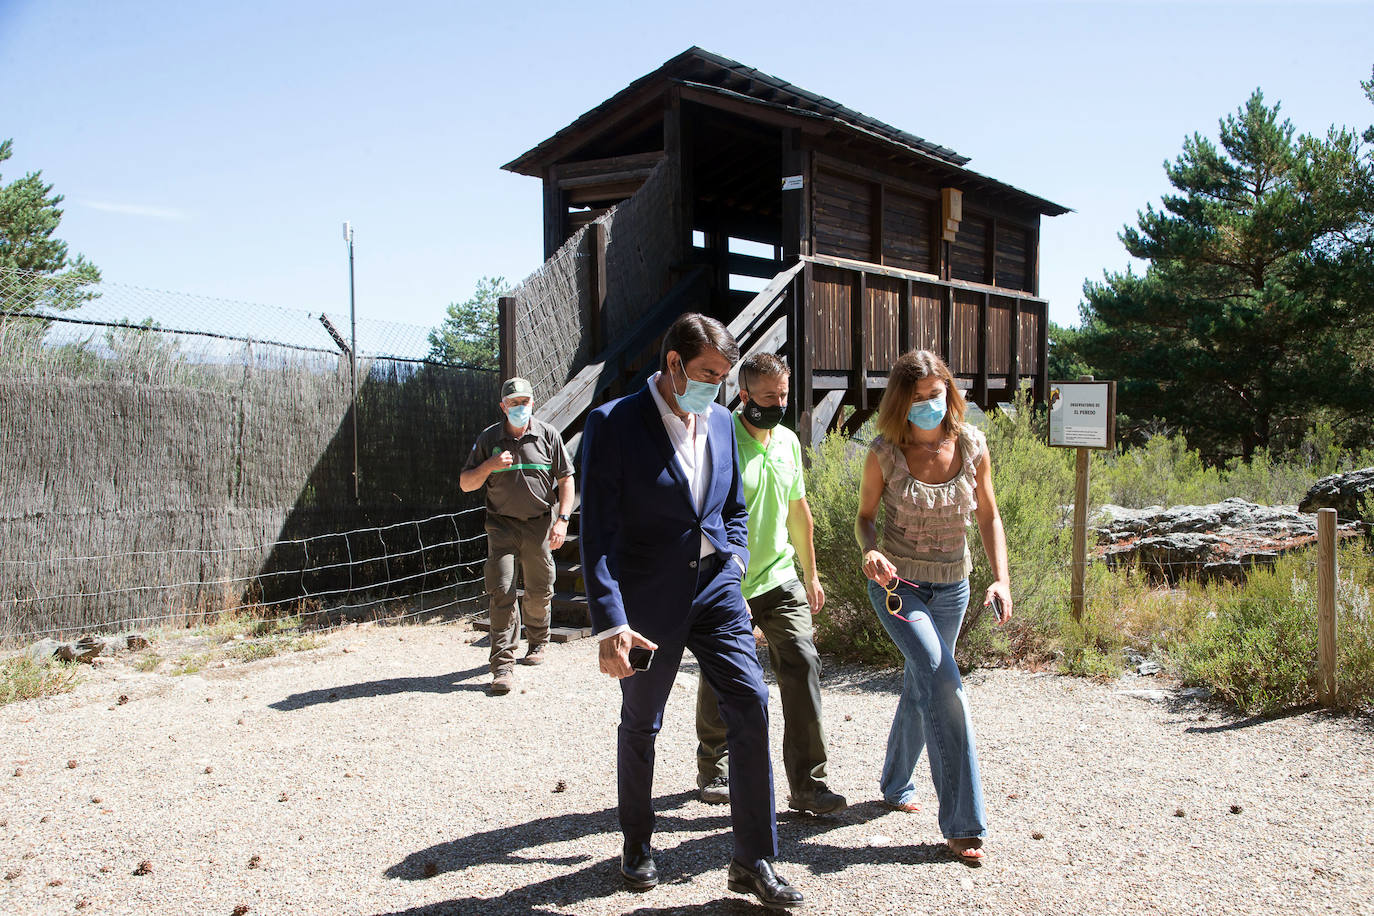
x,y
353,356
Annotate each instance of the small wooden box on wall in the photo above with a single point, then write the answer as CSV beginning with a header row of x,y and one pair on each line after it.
x,y
952,209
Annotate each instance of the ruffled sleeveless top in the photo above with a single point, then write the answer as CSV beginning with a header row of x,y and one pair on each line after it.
x,y
924,527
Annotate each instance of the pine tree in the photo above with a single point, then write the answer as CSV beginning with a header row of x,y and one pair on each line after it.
x,y
468,334
34,267
1253,310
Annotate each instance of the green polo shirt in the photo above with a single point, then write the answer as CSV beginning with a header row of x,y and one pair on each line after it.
x,y
772,478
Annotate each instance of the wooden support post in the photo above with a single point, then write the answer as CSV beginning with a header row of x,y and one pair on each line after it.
x,y
858,323
555,213
980,384
1080,527
947,328
596,307
796,202
1326,606
907,306
1042,354
505,334
1014,351
803,353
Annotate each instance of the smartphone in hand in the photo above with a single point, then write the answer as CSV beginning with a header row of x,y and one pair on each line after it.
x,y
998,609
641,658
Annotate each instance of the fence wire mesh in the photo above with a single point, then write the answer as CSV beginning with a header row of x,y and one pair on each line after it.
x,y
164,454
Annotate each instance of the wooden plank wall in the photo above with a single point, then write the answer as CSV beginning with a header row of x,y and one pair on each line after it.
x,y
883,303
964,332
1013,247
968,254
832,294
1030,333
843,216
908,223
925,316
999,340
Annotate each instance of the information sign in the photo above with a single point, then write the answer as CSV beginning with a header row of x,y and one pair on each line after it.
x,y
1083,414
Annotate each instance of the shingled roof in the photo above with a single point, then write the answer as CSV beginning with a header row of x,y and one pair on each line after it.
x,y
703,70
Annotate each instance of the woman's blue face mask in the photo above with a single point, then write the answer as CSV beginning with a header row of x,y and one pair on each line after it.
x,y
927,414
698,397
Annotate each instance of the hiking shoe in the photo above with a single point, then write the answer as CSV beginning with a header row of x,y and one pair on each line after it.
x,y
716,792
819,800
501,683
536,654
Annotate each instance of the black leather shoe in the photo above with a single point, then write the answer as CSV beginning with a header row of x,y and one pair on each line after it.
x,y
638,870
765,884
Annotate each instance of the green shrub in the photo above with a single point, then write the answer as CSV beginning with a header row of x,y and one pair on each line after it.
x,y
23,678
1257,648
847,627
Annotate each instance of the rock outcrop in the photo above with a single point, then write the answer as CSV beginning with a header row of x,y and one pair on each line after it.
x,y
1218,541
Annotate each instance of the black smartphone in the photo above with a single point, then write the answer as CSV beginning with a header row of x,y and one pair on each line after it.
x,y
997,609
641,658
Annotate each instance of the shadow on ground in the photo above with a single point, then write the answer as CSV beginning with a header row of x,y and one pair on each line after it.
x,y
439,683
590,877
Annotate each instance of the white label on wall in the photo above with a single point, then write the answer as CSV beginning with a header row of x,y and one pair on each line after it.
x,y
792,182
1079,414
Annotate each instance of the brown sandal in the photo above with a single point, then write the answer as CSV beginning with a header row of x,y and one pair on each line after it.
x,y
904,807
968,850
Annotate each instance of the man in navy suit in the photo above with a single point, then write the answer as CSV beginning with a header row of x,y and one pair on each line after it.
x,y
664,547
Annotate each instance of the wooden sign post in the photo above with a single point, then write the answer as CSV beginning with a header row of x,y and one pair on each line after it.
x,y
1082,417
1326,606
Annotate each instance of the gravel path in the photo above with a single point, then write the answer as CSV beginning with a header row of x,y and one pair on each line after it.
x,y
374,776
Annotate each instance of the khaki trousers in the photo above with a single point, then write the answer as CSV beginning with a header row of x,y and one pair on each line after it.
x,y
525,540
785,619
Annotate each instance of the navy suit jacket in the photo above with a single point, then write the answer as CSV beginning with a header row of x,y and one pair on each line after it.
x,y
641,533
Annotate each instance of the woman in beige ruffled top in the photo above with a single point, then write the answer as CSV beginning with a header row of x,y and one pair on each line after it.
x,y
933,476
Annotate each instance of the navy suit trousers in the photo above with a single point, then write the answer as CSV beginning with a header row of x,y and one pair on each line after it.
x,y
719,633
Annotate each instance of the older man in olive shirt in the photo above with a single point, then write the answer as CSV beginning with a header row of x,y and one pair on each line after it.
x,y
526,469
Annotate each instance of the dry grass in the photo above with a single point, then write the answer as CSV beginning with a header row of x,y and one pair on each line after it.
x,y
22,678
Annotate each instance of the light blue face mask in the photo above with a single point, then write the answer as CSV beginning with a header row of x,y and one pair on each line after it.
x,y
927,414
519,415
698,397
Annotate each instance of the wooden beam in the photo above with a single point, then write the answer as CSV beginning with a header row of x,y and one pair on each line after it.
x,y
596,306
628,162
595,194
823,418
990,255
875,222
947,327
1014,345
858,323
555,213
756,109
505,335
908,302
802,350
980,387
796,203
677,146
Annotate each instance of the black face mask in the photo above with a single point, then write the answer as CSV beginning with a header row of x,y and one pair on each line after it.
x,y
763,417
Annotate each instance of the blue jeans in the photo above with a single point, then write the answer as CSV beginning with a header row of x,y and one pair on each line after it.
x,y
932,708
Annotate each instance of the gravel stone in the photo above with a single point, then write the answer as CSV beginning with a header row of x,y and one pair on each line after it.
x,y
456,815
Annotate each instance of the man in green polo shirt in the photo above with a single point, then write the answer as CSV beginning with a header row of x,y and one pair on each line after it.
x,y
526,469
780,530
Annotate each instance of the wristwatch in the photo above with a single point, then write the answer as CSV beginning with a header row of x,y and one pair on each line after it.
x,y
564,518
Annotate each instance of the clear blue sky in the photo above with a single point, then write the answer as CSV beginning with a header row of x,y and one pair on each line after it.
x,y
217,148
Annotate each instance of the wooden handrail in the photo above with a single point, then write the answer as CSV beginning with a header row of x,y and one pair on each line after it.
x,y
757,327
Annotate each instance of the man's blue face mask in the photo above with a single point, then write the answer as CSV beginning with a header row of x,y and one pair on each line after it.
x,y
927,414
519,415
698,397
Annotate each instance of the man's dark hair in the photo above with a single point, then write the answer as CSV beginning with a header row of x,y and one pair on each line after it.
x,y
694,332
759,366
